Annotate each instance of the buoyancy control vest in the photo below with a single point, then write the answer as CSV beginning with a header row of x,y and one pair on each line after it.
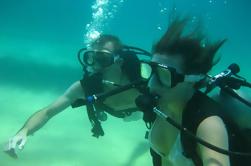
x,y
93,84
199,108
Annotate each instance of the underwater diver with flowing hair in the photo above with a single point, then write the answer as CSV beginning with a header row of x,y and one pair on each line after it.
x,y
106,66
178,68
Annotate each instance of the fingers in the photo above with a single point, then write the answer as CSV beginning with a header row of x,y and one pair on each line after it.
x,y
11,153
11,144
22,143
9,148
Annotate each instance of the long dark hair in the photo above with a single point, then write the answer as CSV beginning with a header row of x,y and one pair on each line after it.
x,y
198,56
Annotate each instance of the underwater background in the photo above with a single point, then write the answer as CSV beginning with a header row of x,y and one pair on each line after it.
x,y
39,41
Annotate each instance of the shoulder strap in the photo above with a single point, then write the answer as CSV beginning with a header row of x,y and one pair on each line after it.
x,y
156,158
193,111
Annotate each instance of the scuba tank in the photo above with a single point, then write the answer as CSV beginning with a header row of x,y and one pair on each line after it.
x,y
238,112
236,102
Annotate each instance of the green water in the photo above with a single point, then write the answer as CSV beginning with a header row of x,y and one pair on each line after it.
x,y
38,45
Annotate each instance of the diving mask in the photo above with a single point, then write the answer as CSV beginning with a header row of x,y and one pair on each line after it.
x,y
166,75
103,58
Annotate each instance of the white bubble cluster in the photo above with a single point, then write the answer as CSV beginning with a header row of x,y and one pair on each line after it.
x,y
102,12
163,12
212,2
194,19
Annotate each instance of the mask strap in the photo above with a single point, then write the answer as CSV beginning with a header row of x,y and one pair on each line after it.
x,y
194,78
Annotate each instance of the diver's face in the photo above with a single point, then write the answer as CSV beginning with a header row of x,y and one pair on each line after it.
x,y
99,58
155,84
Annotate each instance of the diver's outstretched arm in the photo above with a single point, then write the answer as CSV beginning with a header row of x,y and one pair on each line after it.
x,y
39,118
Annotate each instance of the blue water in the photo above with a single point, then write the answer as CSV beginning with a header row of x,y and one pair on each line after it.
x,y
38,45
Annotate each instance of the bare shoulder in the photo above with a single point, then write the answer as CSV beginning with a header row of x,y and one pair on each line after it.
x,y
212,122
213,130
75,90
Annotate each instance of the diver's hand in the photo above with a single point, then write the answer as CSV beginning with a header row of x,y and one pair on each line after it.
x,y
18,141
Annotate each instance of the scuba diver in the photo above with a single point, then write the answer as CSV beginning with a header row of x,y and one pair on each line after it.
x,y
107,64
187,127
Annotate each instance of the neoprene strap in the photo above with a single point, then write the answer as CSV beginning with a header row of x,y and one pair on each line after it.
x,y
92,85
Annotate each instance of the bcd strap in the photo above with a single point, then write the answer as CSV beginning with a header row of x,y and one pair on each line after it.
x,y
92,85
145,103
97,129
156,158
